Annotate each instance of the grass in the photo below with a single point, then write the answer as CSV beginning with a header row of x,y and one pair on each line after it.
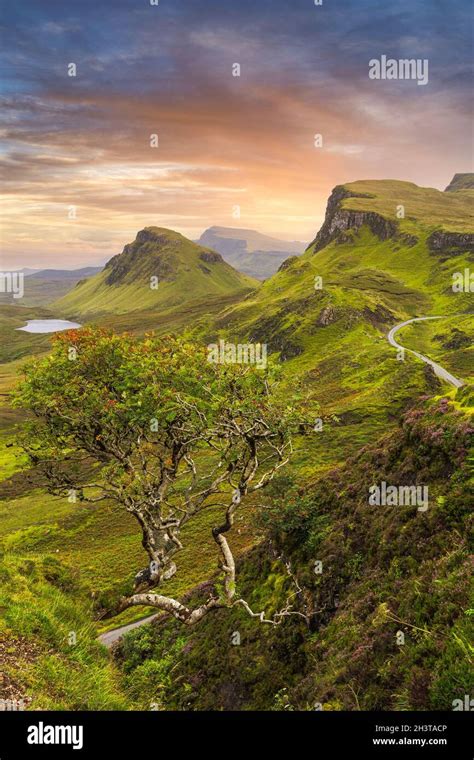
x,y
425,207
390,568
347,366
51,657
14,343
103,543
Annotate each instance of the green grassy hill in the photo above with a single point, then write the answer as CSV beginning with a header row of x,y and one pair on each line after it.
x,y
51,659
450,342
160,269
376,270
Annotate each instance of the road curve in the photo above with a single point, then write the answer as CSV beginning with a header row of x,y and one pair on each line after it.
x,y
115,634
437,368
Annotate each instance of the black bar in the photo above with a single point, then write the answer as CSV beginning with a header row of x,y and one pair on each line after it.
x,y
143,734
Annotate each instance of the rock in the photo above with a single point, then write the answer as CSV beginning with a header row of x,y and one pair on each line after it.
x,y
326,316
212,257
442,241
338,220
461,182
287,263
408,240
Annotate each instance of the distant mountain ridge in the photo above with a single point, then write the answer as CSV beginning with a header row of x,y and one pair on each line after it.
x,y
461,182
63,274
250,251
42,286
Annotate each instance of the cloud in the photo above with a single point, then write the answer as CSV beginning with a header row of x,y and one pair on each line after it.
x,y
223,140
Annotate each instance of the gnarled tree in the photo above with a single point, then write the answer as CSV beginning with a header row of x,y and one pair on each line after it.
x,y
154,426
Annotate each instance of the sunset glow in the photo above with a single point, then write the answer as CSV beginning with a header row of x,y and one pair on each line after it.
x,y
224,141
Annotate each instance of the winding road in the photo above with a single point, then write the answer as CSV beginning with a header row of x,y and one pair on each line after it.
x,y
437,368
109,638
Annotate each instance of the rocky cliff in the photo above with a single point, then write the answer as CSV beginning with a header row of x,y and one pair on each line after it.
x,y
339,221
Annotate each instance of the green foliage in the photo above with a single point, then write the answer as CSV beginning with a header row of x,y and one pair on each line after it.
x,y
155,427
116,389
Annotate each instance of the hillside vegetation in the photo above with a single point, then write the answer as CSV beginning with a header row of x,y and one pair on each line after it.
x,y
384,570
51,659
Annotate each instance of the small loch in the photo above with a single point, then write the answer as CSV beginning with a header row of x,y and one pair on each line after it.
x,y
48,325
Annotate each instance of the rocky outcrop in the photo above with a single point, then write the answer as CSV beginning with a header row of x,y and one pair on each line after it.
x,y
339,221
153,235
450,243
326,316
211,257
151,250
379,317
461,182
287,263
407,240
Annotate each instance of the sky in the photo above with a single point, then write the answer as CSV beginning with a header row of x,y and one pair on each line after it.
x,y
79,176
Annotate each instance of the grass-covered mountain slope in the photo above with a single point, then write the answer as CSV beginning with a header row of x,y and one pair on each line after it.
x,y
450,342
249,251
327,313
160,269
384,571
373,265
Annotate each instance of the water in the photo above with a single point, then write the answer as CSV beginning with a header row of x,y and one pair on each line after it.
x,y
48,325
